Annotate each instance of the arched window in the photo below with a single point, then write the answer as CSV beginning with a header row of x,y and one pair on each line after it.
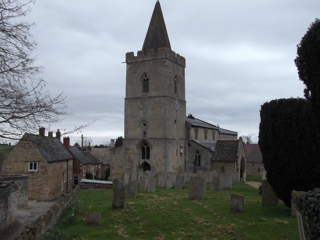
x,y
197,159
145,166
175,85
145,151
145,84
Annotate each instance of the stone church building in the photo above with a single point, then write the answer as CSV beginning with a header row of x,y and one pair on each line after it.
x,y
157,135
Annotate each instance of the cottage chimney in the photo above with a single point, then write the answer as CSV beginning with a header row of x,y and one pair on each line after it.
x,y
42,131
58,134
66,142
112,143
89,147
50,134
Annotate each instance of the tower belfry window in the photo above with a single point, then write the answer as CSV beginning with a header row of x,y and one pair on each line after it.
x,y
145,151
145,84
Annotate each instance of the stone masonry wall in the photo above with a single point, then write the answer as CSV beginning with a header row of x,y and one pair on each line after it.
x,y
38,227
8,205
22,183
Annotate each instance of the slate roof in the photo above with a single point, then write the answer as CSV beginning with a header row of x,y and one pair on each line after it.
x,y
200,123
157,36
51,148
226,151
209,144
91,158
253,153
79,155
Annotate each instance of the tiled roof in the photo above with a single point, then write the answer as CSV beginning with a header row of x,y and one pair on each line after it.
x,y
79,155
228,132
199,123
51,148
209,144
226,151
92,159
253,153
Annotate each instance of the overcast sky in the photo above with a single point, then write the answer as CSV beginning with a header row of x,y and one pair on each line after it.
x,y
239,54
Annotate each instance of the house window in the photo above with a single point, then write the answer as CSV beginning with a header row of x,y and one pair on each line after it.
x,y
196,133
145,151
75,180
32,166
175,85
145,84
197,159
205,134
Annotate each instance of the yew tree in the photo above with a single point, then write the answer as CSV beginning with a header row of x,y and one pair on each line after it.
x,y
289,146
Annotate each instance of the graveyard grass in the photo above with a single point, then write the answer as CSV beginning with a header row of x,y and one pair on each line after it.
x,y
169,214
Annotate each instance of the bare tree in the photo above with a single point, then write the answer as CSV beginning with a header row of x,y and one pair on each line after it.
x,y
25,104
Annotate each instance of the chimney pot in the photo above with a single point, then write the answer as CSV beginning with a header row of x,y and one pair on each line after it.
x,y
42,131
58,134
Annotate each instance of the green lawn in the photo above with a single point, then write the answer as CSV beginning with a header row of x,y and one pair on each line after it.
x,y
169,214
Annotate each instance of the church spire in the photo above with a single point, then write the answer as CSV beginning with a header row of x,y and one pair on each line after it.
x,y
157,35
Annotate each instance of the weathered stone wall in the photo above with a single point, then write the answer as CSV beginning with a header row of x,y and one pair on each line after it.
x,y
21,181
205,158
254,169
38,227
103,154
223,166
8,205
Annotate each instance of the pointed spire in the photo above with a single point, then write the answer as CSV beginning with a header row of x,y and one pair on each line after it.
x,y
157,35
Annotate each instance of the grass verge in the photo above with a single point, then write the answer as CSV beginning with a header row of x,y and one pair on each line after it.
x,y
169,214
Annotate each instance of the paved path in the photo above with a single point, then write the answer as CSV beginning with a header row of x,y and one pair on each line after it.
x,y
254,184
25,216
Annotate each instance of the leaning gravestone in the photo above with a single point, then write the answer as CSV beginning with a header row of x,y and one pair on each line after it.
x,y
143,184
119,195
269,198
151,185
236,203
196,188
169,183
92,219
179,182
132,189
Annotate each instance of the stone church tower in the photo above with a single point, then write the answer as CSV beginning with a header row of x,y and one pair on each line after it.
x,y
155,105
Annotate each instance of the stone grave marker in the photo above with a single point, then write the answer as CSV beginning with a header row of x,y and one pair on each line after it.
x,y
179,182
151,185
216,182
92,219
226,181
169,184
236,203
269,198
143,184
173,177
119,195
160,178
132,189
196,188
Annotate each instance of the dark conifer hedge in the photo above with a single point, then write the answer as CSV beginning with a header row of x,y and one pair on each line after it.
x,y
288,144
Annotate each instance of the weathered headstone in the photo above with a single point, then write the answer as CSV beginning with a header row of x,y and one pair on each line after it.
x,y
92,219
119,195
269,198
126,178
132,189
186,177
209,177
235,177
196,188
143,184
204,176
179,182
226,181
151,185
216,182
169,184
173,177
236,203
160,178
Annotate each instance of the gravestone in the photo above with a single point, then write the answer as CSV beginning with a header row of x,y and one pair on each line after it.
x,y
203,176
169,184
119,195
151,184
216,182
126,178
226,181
235,177
236,203
132,189
92,219
209,177
173,177
186,177
143,184
160,177
269,198
179,182
196,188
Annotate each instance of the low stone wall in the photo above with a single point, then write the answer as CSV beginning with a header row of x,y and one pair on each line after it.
x,y
21,182
8,205
38,227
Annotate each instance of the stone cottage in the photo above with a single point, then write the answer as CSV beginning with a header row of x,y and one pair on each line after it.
x,y
45,161
254,159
